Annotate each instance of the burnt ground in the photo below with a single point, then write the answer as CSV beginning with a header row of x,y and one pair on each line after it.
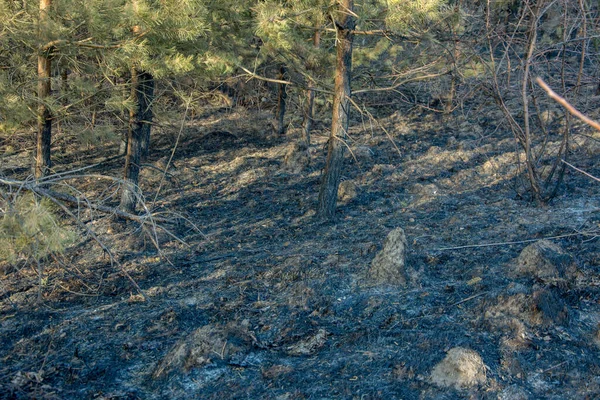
x,y
268,303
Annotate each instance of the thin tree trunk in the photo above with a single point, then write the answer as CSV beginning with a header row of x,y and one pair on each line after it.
x,y
584,43
146,97
341,108
64,78
133,156
44,116
125,133
309,116
529,158
282,95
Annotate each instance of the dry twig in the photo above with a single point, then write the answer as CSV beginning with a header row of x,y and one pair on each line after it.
x,y
560,100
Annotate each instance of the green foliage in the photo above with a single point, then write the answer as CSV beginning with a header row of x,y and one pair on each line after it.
x,y
287,29
414,16
99,41
30,229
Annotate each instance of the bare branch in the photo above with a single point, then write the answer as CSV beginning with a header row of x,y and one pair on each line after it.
x,y
580,170
560,100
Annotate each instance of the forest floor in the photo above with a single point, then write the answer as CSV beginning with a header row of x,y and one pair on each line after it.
x,y
268,303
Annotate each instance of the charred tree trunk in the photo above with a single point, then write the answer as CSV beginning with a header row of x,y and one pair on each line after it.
x,y
44,116
309,116
281,97
133,156
146,98
341,108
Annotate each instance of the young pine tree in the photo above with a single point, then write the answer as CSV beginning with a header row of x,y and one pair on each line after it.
x,y
168,39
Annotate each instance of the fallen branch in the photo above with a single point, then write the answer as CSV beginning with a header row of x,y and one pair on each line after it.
x,y
38,189
471,246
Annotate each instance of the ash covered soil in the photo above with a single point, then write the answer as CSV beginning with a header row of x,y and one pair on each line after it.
x,y
269,303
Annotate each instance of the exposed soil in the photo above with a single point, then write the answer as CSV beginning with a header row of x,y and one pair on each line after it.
x,y
269,303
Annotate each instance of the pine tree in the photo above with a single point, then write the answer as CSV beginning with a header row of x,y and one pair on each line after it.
x,y
293,31
168,39
46,38
344,25
290,32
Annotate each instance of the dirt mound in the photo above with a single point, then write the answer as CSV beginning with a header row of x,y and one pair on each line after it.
x,y
347,192
388,266
201,346
461,368
542,260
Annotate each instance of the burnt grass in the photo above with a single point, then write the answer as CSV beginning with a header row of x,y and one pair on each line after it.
x,y
269,303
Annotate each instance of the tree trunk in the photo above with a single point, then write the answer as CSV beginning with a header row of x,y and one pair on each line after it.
x,y
133,156
64,78
282,95
44,116
455,74
309,116
341,108
124,134
146,98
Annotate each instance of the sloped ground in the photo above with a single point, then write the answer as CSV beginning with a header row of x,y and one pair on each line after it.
x,y
269,303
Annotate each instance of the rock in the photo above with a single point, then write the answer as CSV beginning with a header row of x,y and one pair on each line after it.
x,y
462,368
388,266
347,191
543,260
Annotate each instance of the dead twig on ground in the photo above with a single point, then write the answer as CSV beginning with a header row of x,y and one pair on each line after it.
x,y
471,246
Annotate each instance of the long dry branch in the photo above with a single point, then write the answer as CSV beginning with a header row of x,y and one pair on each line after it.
x,y
40,190
563,102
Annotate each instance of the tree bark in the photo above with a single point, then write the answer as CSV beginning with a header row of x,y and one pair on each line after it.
x,y
341,108
44,116
281,97
133,156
